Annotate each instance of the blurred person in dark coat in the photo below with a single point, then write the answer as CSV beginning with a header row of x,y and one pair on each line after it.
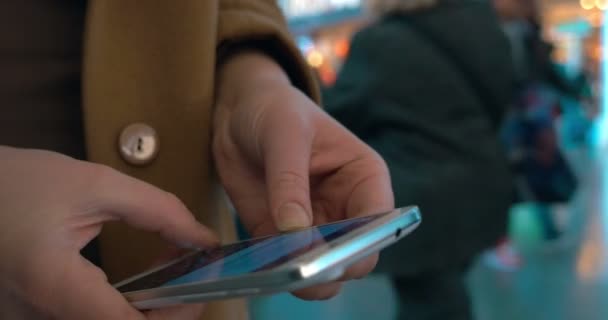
x,y
426,85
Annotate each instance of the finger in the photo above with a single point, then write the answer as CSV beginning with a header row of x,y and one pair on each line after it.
x,y
319,292
144,206
183,312
361,268
86,294
286,154
298,241
374,194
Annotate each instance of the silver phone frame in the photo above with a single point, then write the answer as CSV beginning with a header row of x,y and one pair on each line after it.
x,y
322,264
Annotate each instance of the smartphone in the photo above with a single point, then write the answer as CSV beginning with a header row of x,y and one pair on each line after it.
x,y
282,262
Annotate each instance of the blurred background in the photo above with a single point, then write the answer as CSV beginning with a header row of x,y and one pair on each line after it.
x,y
552,262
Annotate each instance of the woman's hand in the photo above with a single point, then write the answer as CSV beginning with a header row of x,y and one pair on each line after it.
x,y
286,164
51,206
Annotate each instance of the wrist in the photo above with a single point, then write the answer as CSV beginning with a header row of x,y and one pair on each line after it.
x,y
248,72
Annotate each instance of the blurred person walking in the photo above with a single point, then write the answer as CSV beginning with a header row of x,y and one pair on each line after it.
x,y
426,85
529,132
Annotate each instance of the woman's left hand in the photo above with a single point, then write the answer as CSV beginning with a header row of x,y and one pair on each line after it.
x,y
286,164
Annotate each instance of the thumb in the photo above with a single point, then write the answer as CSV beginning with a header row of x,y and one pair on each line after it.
x,y
86,294
287,161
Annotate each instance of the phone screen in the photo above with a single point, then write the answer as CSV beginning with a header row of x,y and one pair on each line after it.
x,y
245,257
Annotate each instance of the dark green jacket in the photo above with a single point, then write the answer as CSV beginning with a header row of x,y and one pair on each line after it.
x,y
427,91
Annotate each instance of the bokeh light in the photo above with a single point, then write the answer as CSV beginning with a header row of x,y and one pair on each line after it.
x,y
587,4
315,58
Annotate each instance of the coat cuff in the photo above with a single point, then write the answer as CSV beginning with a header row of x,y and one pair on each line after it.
x,y
260,25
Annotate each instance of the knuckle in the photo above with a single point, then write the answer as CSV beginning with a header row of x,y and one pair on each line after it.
x,y
180,211
99,174
95,179
330,293
320,292
361,269
289,180
175,200
379,164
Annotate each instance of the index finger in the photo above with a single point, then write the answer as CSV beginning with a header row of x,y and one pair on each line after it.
x,y
146,207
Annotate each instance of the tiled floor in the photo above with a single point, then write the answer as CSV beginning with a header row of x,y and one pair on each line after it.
x,y
561,282
564,282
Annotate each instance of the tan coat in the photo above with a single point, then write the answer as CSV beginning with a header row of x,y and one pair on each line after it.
x,y
155,62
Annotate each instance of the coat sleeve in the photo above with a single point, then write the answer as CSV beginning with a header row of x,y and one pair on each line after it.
x,y
260,24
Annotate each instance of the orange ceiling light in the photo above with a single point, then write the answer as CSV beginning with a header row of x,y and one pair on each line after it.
x,y
588,4
315,58
341,48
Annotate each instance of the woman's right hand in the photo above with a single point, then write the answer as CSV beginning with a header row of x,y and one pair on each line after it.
x,y
51,206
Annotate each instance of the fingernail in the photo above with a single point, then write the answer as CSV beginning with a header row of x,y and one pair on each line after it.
x,y
210,238
292,216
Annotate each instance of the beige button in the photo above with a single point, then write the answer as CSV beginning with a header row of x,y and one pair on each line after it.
x,y
138,144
